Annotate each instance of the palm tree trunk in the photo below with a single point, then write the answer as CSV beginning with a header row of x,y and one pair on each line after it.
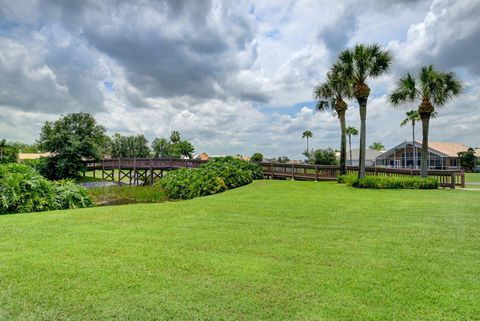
x,y
343,144
424,162
362,102
350,147
414,145
308,148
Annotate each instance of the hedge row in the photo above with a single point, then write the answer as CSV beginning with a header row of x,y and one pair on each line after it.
x,y
24,190
213,177
385,182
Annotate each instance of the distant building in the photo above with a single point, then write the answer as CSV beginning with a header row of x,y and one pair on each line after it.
x,y
370,157
440,155
27,156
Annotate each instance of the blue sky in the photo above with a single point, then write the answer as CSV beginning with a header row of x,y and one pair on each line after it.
x,y
233,77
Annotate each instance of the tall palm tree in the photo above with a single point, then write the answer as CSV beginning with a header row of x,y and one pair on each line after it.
x,y
307,134
351,131
358,64
431,88
330,95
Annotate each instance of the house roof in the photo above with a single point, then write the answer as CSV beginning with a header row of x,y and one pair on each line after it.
x,y
25,156
449,149
370,154
439,148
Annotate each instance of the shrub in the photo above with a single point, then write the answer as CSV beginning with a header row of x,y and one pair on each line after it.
x,y
70,195
257,157
213,177
23,190
385,182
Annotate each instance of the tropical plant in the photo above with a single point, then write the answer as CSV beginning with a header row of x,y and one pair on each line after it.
x,y
330,95
359,64
257,157
307,134
8,152
351,131
71,139
384,182
431,89
468,160
376,146
175,136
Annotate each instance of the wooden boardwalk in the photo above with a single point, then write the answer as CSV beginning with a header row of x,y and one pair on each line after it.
x,y
135,171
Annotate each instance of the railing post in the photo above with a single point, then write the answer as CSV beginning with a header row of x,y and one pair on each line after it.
x,y
103,169
271,170
119,171
462,179
94,169
151,173
293,171
316,173
452,179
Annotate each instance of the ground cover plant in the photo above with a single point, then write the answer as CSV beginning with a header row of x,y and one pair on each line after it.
x,y
271,250
24,190
387,182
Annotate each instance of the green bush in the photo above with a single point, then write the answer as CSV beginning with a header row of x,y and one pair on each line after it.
x,y
23,190
385,182
213,177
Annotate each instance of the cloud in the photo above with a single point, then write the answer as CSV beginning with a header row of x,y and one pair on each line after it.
x,y
231,76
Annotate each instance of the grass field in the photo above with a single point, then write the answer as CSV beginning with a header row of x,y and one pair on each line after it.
x,y
472,177
272,250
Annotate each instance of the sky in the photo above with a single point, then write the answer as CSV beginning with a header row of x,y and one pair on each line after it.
x,y
234,77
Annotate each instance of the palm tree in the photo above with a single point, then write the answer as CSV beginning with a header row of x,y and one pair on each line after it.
x,y
377,146
307,134
175,136
412,117
431,88
358,64
330,95
351,131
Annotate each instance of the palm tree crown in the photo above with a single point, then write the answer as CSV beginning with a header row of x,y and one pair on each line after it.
x,y
307,134
351,131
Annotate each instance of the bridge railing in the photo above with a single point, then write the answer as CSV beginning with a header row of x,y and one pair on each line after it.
x,y
445,178
143,163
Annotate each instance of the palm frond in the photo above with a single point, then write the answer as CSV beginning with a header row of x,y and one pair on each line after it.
x,y
405,92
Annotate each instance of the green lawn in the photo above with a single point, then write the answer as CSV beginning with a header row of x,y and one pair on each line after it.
x,y
272,250
472,177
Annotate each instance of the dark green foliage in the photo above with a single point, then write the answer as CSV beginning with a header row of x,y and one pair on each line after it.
x,y
8,152
213,177
468,160
385,182
323,157
128,146
23,190
377,146
257,157
281,159
69,195
71,138
174,147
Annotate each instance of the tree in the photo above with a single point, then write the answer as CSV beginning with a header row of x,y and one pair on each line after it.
x,y
175,148
8,152
257,157
431,89
351,131
175,137
71,139
468,160
307,134
358,64
128,146
376,146
330,95
324,157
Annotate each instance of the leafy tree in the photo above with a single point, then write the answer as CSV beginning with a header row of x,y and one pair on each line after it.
x,y
129,146
176,148
351,131
376,146
430,88
358,64
330,95
8,152
257,157
71,139
307,134
324,157
468,160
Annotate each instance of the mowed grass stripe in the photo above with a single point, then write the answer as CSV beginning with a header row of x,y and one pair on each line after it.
x,y
268,251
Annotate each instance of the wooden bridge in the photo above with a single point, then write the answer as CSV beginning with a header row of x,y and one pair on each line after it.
x,y
135,171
